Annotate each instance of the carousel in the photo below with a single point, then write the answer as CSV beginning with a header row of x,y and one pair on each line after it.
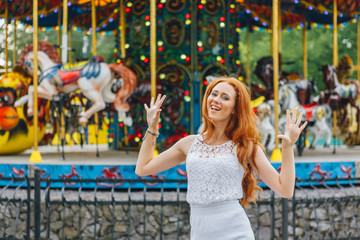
x,y
50,102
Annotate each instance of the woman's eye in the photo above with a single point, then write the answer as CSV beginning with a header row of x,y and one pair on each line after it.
x,y
213,94
226,98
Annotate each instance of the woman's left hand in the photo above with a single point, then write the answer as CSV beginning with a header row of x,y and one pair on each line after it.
x,y
292,129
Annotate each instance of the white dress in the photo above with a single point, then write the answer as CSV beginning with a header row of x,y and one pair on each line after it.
x,y
214,190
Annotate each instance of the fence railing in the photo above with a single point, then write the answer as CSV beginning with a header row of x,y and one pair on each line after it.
x,y
32,208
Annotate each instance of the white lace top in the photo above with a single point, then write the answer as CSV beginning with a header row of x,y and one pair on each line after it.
x,y
214,173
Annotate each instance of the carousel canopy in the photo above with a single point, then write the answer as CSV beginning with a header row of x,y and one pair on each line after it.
x,y
250,12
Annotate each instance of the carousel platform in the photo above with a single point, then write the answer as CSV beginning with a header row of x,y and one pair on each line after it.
x,y
83,163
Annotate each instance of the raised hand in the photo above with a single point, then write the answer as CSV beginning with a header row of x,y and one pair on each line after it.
x,y
292,129
153,112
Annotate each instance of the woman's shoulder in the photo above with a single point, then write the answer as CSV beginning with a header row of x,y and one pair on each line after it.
x,y
188,139
185,143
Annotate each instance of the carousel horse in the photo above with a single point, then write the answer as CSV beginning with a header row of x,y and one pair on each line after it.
x,y
264,71
313,113
339,95
318,125
265,126
345,69
93,78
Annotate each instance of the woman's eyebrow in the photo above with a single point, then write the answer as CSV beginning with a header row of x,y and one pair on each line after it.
x,y
216,91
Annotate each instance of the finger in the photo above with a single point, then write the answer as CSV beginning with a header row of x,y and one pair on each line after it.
x,y
162,100
157,99
287,119
152,102
280,136
146,107
303,126
298,121
294,116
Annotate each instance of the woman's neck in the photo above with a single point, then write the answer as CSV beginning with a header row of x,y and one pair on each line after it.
x,y
218,137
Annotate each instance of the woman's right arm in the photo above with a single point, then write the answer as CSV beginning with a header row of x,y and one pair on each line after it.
x,y
146,163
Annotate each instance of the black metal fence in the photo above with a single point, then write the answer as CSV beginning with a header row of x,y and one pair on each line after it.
x,y
31,208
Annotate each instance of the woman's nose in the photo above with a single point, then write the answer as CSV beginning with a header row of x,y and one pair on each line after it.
x,y
216,99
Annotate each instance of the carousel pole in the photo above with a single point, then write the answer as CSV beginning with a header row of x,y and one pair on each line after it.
x,y
59,30
276,154
280,34
335,61
123,53
70,45
335,34
93,26
153,52
6,35
358,46
248,65
64,42
153,47
64,47
15,39
35,155
122,29
304,35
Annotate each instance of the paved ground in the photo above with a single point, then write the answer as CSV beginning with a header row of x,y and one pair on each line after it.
x,y
87,155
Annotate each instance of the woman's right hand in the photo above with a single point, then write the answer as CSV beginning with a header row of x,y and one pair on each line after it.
x,y
153,112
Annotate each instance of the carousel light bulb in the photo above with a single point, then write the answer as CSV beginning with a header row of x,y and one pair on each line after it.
x,y
218,58
238,62
232,5
127,46
222,24
116,10
199,43
110,140
111,20
188,22
162,76
129,4
163,1
115,50
160,43
147,23
238,30
187,98
231,46
142,58
203,1
137,139
183,56
69,4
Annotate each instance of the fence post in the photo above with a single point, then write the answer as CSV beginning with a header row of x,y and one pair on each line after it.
x,y
37,204
285,221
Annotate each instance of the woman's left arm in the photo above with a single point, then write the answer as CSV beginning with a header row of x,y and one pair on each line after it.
x,y
282,183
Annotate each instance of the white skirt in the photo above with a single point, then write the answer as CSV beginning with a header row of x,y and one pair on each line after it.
x,y
224,220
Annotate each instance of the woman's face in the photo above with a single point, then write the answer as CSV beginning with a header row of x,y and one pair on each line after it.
x,y
221,102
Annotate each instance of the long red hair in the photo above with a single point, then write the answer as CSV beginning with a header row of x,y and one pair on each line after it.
x,y
242,130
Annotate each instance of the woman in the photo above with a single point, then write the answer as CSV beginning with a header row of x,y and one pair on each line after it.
x,y
225,154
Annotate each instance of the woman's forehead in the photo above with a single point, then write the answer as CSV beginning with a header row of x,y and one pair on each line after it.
x,y
225,88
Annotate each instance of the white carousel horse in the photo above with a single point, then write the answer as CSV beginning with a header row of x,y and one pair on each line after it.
x,y
316,115
265,126
94,79
319,125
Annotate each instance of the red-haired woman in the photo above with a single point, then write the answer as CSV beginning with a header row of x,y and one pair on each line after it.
x,y
225,154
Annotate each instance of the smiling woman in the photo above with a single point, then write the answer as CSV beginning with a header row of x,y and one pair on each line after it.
x,y
222,161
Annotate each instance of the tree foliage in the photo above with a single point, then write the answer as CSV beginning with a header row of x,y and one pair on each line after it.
x,y
319,49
